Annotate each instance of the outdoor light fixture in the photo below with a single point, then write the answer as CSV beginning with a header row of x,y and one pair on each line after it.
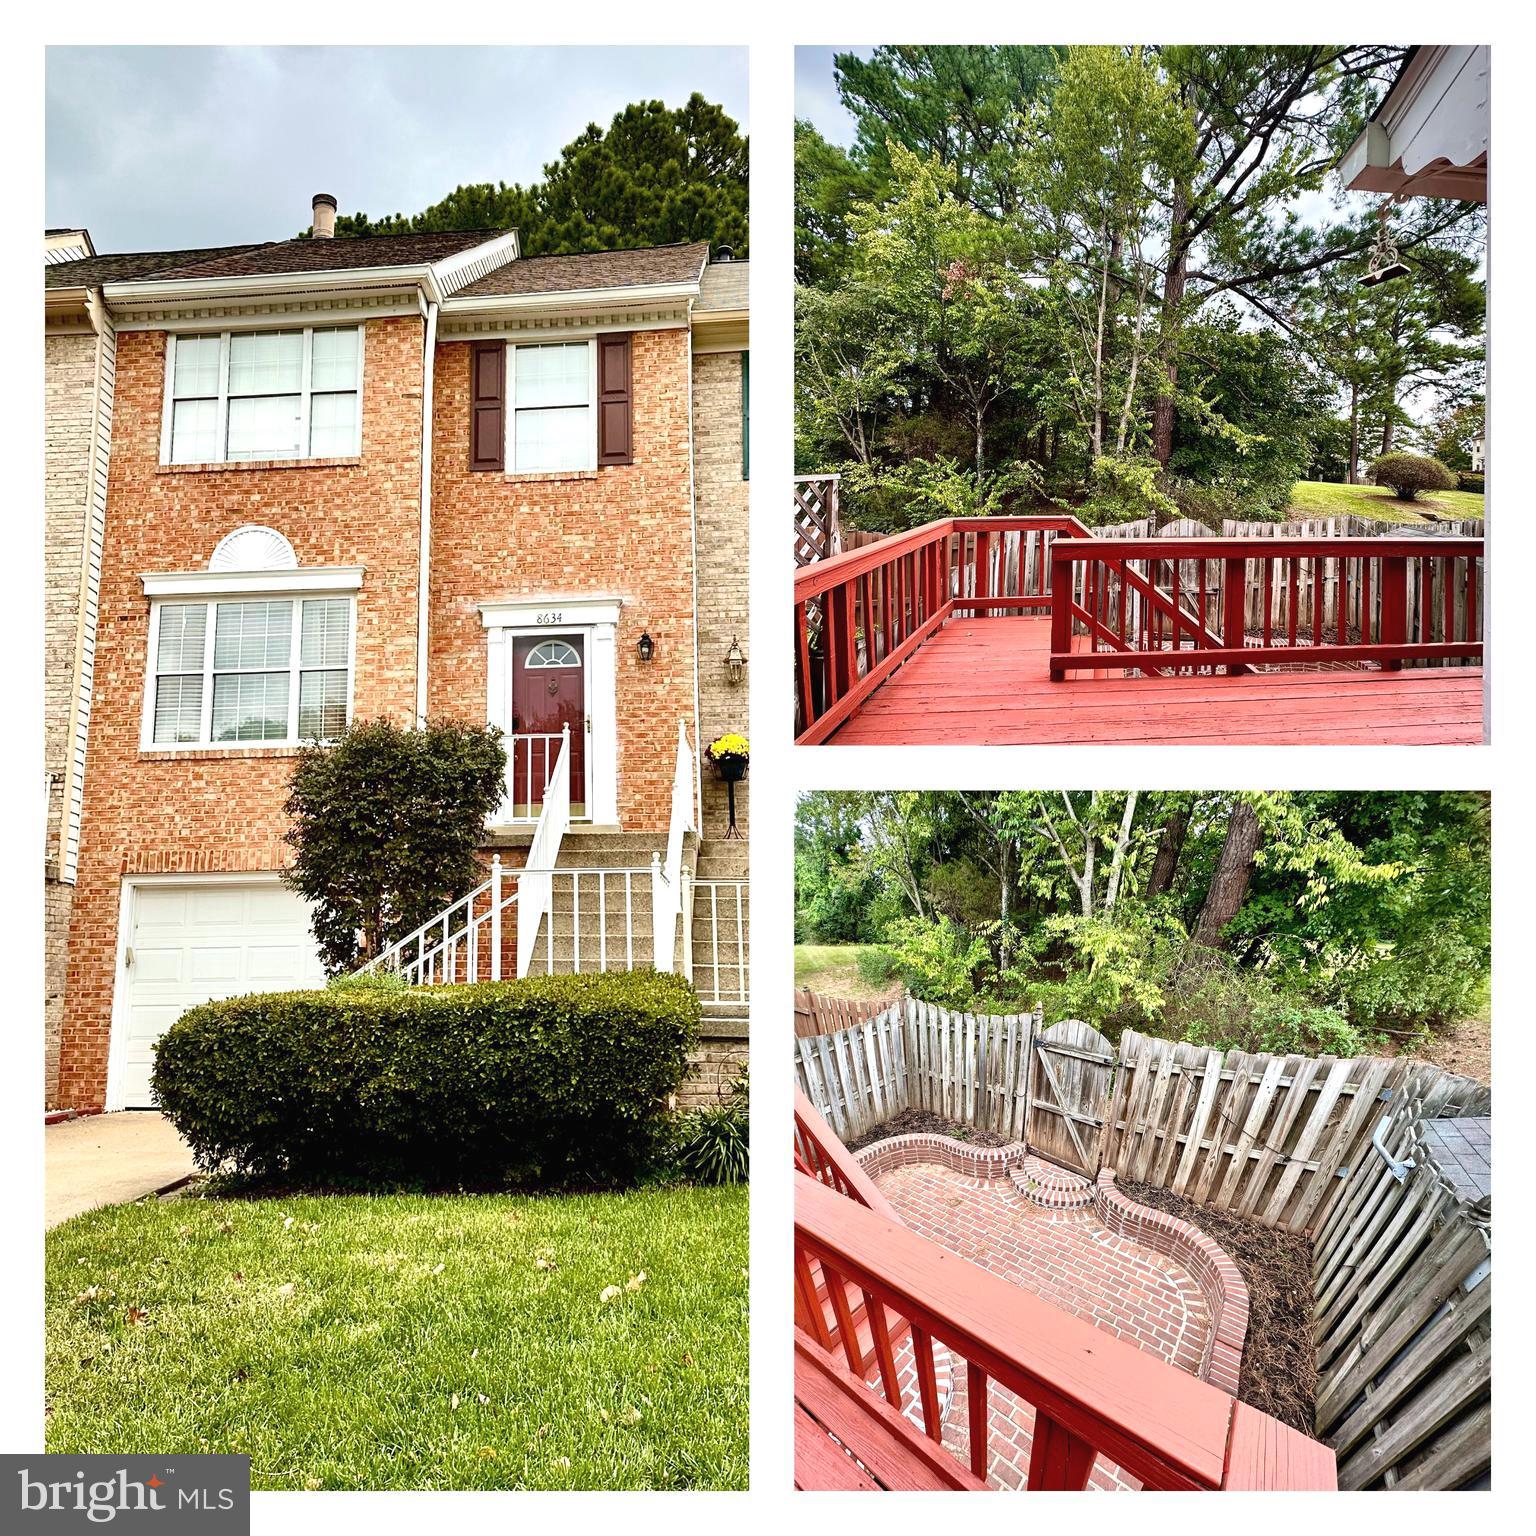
x,y
646,648
735,662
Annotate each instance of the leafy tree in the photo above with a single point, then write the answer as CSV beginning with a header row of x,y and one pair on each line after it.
x,y
386,824
654,176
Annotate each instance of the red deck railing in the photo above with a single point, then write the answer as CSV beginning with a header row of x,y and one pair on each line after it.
x,y
1092,1393
859,615
1203,604
1148,606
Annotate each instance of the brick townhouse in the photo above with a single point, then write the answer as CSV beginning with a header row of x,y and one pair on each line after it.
x,y
299,483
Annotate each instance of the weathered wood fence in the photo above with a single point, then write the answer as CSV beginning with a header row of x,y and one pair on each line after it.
x,y
1272,1138
817,1014
1402,1281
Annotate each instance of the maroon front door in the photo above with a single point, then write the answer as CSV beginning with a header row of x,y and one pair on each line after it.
x,y
549,691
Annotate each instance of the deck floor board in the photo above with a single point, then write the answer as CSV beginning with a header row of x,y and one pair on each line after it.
x,y
987,682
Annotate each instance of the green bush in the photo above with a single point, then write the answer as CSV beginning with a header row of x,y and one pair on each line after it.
x,y
548,1080
876,965
713,1143
1409,473
1468,481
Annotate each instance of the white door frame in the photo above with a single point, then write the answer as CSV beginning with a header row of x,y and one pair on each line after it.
x,y
117,1040
596,619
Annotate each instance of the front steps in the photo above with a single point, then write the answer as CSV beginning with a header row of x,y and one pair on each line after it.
x,y
600,918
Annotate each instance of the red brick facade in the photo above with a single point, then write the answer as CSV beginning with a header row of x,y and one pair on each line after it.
x,y
221,810
623,531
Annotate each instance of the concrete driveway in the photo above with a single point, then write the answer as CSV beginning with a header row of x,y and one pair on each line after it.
x,y
105,1159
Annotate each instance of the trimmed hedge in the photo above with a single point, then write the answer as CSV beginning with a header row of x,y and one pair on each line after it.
x,y
549,1080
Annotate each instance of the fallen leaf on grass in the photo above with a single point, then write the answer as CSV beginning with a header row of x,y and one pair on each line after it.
x,y
635,1281
137,1316
487,1453
610,1293
440,1268
453,1402
285,1290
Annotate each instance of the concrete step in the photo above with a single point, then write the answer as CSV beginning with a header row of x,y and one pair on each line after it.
x,y
720,860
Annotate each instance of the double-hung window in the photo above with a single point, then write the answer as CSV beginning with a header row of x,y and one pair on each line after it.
x,y
264,395
258,669
553,423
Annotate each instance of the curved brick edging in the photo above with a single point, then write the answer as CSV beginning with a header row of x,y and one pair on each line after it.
x,y
1053,1188
1218,1277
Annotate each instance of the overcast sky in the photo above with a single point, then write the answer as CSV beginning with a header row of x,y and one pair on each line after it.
x,y
816,91
162,148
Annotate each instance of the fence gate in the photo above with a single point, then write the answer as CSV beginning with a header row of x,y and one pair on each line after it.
x,y
1068,1094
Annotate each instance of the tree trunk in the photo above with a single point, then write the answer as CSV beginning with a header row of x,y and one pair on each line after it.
x,y
1234,869
1170,846
1354,433
1173,298
1122,843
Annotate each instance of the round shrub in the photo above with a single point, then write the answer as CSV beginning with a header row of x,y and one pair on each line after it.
x,y
550,1080
1409,473
1468,480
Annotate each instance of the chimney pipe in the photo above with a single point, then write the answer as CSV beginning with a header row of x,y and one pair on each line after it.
x,y
324,225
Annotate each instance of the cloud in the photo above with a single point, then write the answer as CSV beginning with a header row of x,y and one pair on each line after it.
x,y
158,148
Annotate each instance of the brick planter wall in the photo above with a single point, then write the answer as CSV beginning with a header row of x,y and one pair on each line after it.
x,y
1052,1188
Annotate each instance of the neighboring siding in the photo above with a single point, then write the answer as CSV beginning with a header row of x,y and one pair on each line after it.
x,y
69,394
207,810
620,530
722,503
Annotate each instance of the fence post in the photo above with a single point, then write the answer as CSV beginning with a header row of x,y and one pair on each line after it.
x,y
495,917
1061,610
1394,605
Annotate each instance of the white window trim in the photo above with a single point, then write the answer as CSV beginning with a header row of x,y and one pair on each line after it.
x,y
315,580
509,430
205,741
168,404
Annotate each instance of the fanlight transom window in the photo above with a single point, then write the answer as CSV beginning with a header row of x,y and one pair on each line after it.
x,y
553,653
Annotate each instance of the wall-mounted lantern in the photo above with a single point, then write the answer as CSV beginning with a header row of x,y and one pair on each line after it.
x,y
646,649
735,662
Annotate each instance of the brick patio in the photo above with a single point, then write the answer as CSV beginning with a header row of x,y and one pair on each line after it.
x,y
1067,1257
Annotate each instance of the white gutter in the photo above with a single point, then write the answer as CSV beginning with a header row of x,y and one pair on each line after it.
x,y
424,569
693,534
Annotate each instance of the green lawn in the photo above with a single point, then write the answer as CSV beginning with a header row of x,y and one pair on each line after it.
x,y
834,970
411,1341
1318,498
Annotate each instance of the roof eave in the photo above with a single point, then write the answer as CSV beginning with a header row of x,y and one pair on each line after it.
x,y
573,298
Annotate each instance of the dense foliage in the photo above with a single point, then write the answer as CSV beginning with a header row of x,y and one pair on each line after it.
x,y
386,823
1298,920
656,175
546,1081
1123,278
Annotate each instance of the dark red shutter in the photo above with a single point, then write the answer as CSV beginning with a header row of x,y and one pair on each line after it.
x,y
487,404
615,402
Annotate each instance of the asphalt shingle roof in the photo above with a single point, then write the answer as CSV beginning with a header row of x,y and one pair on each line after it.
x,y
93,271
724,286
337,255
597,269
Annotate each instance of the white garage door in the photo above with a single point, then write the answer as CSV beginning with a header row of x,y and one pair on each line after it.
x,y
194,940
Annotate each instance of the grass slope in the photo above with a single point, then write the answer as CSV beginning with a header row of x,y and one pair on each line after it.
x,y
833,969
410,1341
1319,498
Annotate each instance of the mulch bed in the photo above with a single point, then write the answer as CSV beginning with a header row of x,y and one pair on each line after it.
x,y
908,1122
1279,1372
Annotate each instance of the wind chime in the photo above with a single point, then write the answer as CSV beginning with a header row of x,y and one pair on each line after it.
x,y
1385,262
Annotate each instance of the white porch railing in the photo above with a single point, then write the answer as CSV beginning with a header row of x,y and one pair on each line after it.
x,y
667,879
531,764
721,922
536,887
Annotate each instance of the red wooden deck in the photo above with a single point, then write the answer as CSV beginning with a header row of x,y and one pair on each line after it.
x,y
986,681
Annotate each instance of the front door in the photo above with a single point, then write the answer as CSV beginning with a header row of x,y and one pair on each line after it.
x,y
549,691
